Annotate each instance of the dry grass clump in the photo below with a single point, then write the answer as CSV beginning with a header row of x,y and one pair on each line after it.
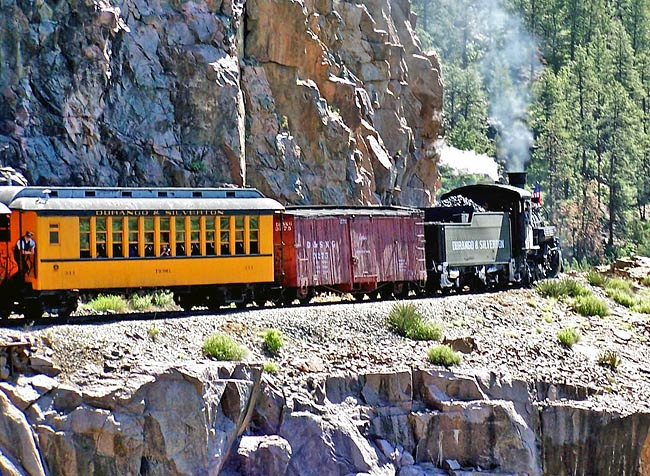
x,y
596,279
590,306
223,347
405,320
273,341
108,302
610,359
568,336
270,367
556,289
443,355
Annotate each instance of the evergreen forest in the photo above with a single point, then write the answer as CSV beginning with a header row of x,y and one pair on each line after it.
x,y
571,80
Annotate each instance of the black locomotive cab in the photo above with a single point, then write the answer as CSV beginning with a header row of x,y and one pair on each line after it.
x,y
500,238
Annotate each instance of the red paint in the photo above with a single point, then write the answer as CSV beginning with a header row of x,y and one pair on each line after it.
x,y
348,249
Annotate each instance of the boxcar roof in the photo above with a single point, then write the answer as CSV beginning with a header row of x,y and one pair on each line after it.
x,y
333,211
87,199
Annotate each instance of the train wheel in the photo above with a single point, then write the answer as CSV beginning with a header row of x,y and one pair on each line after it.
x,y
260,301
33,310
5,312
305,296
401,290
373,295
185,301
555,262
359,296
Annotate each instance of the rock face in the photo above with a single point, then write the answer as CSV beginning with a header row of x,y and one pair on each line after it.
x,y
213,418
314,101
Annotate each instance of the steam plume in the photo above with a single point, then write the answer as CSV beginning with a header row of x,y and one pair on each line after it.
x,y
510,65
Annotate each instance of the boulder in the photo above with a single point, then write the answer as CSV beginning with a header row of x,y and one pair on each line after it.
x,y
262,455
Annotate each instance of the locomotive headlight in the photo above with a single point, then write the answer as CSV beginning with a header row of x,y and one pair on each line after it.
x,y
440,268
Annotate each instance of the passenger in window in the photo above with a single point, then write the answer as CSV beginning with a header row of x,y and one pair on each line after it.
x,y
133,251
180,249
165,250
117,251
24,252
196,249
148,250
101,250
209,249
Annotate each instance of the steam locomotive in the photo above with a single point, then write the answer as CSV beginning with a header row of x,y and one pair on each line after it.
x,y
215,247
506,242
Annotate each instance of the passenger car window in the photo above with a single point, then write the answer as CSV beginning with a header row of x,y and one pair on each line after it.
x,y
54,233
100,237
195,236
254,235
134,237
239,236
149,232
180,236
118,237
210,248
225,235
84,237
165,249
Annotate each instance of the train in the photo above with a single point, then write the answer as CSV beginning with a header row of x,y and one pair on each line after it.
x,y
216,246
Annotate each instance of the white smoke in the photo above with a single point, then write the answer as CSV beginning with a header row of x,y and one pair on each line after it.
x,y
468,161
510,65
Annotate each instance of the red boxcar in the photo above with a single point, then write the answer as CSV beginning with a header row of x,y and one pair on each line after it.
x,y
364,250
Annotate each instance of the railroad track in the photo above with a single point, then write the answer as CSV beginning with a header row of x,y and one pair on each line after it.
x,y
22,322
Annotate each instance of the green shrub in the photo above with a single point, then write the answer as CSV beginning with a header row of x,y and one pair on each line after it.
x,y
140,303
610,359
568,336
270,367
443,355
273,341
153,333
163,299
222,347
646,281
559,288
590,306
622,284
108,302
596,279
643,305
406,321
622,296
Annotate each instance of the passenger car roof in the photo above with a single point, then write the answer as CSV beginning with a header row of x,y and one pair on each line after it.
x,y
53,199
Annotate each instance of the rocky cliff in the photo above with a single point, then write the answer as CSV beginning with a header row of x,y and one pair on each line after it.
x,y
208,418
312,101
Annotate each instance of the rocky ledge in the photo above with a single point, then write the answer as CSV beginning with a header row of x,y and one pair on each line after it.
x,y
138,397
214,418
312,101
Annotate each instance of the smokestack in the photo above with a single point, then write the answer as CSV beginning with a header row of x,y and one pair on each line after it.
x,y
517,179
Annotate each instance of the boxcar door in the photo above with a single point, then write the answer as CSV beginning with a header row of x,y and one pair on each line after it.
x,y
364,251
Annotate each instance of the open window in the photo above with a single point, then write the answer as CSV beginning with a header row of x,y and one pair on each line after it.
x,y
5,235
84,238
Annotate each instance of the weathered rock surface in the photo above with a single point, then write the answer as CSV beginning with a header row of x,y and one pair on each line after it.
x,y
207,418
311,101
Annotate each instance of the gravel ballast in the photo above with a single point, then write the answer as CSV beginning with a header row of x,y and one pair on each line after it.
x,y
515,334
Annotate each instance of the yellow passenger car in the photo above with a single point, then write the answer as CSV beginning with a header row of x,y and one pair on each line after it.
x,y
210,246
